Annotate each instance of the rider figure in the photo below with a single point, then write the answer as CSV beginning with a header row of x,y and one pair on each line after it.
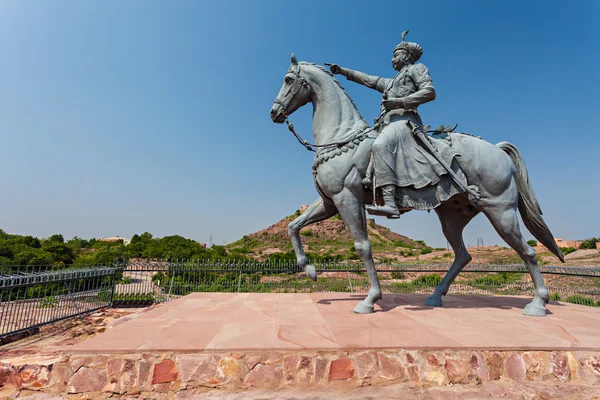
x,y
398,160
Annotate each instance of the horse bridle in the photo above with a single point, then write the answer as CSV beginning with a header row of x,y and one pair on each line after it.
x,y
300,82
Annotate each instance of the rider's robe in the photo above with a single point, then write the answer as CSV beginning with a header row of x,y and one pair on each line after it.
x,y
398,157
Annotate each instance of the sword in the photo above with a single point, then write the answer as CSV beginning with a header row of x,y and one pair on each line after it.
x,y
416,130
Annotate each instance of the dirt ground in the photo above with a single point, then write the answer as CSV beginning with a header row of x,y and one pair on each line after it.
x,y
65,333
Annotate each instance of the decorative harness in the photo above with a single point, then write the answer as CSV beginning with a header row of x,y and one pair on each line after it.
x,y
329,150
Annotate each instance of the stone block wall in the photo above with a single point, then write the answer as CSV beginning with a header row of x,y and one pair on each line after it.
x,y
151,374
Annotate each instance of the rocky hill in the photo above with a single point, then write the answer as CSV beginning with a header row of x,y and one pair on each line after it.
x,y
331,240
326,239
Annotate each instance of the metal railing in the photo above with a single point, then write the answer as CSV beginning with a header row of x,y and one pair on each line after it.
x,y
31,297
34,296
160,281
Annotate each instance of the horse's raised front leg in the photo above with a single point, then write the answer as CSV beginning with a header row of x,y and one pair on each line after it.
x,y
352,211
317,211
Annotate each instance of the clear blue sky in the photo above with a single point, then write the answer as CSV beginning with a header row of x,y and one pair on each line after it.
x,y
123,117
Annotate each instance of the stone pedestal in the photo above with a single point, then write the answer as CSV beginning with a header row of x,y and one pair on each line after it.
x,y
274,341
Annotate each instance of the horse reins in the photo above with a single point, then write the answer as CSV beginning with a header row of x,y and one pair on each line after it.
x,y
295,88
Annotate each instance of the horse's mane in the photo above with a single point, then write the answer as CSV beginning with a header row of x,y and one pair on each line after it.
x,y
322,68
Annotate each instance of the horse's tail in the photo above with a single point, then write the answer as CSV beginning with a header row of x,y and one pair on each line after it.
x,y
528,205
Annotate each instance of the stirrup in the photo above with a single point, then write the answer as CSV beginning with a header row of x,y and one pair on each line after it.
x,y
374,209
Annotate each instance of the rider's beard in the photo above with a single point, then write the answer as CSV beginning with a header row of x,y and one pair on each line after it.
x,y
403,63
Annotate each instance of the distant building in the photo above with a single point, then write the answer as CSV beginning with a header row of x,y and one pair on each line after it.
x,y
567,243
115,239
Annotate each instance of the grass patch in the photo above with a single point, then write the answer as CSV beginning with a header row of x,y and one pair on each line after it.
x,y
582,300
494,280
423,281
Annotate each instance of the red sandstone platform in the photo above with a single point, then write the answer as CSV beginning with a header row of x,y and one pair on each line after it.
x,y
218,322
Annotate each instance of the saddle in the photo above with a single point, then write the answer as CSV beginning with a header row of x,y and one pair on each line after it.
x,y
440,133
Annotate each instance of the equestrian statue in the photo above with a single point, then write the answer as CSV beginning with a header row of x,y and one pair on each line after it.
x,y
395,167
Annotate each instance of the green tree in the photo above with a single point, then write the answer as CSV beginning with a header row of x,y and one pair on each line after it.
x,y
33,257
78,243
29,241
60,251
173,247
103,253
216,252
6,249
589,243
138,244
58,238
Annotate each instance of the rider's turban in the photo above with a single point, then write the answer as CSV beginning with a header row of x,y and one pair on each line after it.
x,y
415,50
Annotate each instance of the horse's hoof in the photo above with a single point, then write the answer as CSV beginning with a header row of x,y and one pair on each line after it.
x,y
433,301
534,311
362,308
311,272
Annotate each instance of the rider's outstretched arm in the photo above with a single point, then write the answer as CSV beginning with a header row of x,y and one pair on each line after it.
x,y
370,81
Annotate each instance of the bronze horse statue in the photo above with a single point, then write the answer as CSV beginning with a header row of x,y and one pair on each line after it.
x,y
344,141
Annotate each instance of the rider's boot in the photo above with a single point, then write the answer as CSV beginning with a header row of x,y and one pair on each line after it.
x,y
389,208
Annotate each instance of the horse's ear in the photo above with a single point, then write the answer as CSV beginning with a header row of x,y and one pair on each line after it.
x,y
294,61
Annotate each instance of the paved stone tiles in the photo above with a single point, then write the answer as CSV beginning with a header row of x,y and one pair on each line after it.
x,y
325,321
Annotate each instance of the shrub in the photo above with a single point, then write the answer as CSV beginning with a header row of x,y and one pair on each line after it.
x,y
124,280
579,299
242,250
555,296
426,250
48,301
400,243
567,250
294,215
134,298
494,280
532,243
430,280
307,232
588,244
397,275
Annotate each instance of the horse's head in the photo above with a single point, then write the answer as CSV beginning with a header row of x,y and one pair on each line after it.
x,y
294,93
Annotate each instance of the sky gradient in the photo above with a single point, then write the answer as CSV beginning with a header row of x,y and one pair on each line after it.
x,y
123,117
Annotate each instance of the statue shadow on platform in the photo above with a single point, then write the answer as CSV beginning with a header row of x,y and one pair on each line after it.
x,y
415,302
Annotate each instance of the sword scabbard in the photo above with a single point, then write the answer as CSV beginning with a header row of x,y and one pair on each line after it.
x,y
429,146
